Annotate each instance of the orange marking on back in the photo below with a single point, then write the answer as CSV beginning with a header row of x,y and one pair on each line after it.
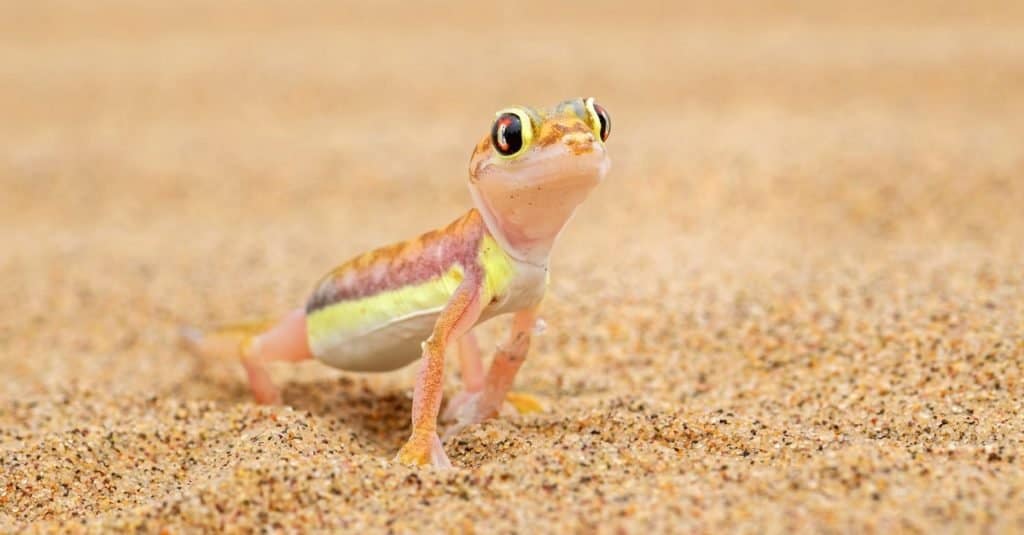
x,y
408,262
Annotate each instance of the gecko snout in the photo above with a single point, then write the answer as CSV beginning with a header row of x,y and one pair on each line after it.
x,y
579,142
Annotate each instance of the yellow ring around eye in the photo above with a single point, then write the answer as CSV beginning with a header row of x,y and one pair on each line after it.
x,y
592,117
526,130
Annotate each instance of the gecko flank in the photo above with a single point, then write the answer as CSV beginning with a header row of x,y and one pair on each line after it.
x,y
412,300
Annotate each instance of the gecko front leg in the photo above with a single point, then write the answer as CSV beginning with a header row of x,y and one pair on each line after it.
x,y
471,369
458,316
473,378
509,357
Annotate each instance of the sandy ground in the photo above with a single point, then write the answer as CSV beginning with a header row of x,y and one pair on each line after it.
x,y
797,302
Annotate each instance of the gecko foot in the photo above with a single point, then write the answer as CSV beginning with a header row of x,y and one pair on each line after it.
x,y
464,406
424,449
466,409
524,403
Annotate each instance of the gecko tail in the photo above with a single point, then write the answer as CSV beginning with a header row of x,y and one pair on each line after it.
x,y
225,342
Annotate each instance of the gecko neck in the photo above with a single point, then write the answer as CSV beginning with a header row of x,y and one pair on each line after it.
x,y
530,242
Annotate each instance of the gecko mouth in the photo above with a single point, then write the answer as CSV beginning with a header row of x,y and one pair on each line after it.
x,y
576,161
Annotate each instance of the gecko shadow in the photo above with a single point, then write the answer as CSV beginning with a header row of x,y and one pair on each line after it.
x,y
377,420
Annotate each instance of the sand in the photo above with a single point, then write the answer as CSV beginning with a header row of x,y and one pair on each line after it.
x,y
796,304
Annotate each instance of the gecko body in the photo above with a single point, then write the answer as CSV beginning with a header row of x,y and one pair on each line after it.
x,y
410,301
373,313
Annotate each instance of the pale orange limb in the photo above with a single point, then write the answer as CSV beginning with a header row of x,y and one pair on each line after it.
x,y
457,318
500,377
255,345
471,368
507,362
471,363
472,371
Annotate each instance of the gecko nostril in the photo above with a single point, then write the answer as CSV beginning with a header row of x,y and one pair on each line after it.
x,y
578,138
579,142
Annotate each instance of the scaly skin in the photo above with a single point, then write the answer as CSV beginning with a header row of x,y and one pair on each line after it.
x,y
403,264
382,309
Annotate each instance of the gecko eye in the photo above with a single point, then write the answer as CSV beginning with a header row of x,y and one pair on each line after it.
x,y
601,122
507,134
606,121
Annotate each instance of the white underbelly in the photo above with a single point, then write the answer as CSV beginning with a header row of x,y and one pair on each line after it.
x,y
396,344
388,347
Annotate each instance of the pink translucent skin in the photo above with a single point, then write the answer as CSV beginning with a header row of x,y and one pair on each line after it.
x,y
286,341
527,201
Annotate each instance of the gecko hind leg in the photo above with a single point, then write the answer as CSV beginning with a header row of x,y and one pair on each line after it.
x,y
255,344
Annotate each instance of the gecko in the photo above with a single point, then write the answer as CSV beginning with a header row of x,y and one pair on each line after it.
x,y
385,309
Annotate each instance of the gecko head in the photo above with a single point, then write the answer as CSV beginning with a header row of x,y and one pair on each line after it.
x,y
532,170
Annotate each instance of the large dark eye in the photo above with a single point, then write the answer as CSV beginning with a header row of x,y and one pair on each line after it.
x,y
605,119
507,134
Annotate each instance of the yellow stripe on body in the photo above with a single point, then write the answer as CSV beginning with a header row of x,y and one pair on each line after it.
x,y
498,268
335,323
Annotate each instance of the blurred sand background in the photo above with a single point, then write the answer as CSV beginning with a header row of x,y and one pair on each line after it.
x,y
796,303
